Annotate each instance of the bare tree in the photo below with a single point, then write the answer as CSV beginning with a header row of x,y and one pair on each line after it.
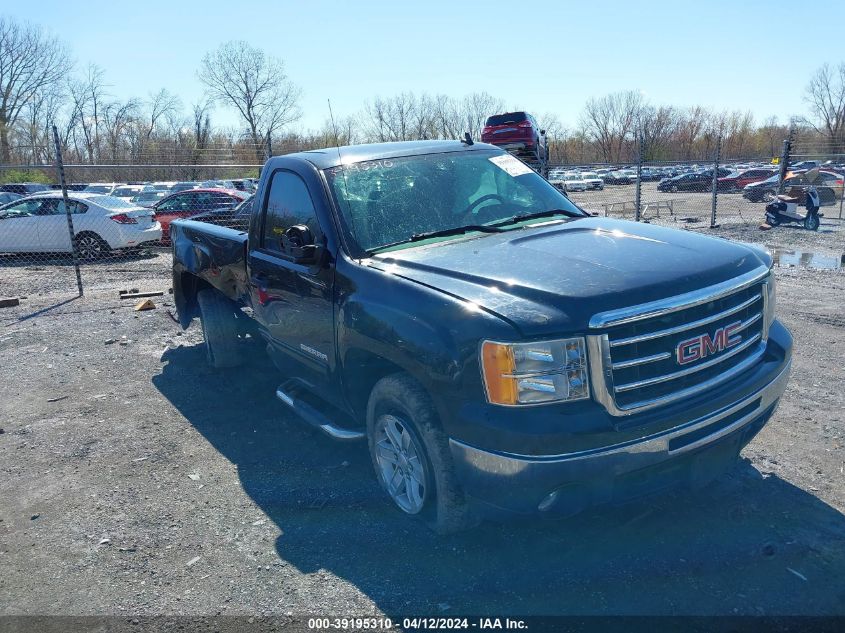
x,y
245,78
162,106
655,126
769,137
40,113
118,118
30,61
737,134
337,132
392,118
825,95
611,120
202,131
87,96
475,108
691,125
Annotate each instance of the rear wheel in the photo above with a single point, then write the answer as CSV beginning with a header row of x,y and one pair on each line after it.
x,y
220,329
90,246
411,457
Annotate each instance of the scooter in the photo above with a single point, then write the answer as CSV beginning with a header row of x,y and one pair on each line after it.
x,y
785,208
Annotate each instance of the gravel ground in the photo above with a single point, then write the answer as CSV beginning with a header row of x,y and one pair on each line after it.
x,y
136,480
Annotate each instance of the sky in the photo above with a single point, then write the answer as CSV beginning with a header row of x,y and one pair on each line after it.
x,y
537,56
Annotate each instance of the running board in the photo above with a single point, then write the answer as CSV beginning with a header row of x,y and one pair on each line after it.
x,y
315,418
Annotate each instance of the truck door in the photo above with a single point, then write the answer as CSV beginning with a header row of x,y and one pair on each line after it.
x,y
293,302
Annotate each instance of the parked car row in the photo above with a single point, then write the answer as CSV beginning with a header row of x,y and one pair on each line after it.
x,y
107,217
829,184
38,224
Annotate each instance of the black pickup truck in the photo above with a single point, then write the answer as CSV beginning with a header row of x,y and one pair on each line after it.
x,y
500,349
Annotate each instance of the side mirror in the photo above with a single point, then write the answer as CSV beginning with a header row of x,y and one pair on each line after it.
x,y
543,132
298,244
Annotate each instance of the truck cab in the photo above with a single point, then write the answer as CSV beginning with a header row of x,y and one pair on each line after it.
x,y
498,349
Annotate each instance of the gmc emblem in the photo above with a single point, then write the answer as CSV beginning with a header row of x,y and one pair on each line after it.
x,y
703,345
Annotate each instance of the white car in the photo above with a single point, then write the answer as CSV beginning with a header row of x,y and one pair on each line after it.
x,y
592,179
126,191
104,188
572,181
38,224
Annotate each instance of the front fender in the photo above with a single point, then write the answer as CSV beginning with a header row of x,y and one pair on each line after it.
x,y
432,336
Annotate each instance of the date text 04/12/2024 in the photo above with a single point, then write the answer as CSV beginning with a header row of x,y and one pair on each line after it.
x,y
416,624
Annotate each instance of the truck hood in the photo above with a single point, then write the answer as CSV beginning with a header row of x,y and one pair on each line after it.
x,y
551,279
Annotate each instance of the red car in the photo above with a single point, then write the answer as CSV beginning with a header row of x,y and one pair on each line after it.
x,y
187,203
518,132
738,180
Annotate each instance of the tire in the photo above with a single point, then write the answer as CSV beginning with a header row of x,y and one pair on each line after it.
x,y
416,449
220,329
673,189
811,222
90,246
773,220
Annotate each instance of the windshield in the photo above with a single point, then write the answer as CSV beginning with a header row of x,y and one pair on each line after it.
x,y
386,201
97,189
110,202
126,192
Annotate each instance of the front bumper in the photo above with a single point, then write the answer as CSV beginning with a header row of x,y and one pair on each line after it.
x,y
691,454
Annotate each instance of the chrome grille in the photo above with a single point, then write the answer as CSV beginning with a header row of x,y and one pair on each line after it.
x,y
634,364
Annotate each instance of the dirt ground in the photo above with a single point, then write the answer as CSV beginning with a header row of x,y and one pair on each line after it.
x,y
136,480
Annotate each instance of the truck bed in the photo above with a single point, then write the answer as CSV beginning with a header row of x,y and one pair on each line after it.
x,y
204,252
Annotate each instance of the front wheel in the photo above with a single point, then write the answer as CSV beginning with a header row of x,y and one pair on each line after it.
x,y
811,222
411,457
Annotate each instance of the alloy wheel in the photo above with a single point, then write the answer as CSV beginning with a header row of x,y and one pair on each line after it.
x,y
400,461
89,247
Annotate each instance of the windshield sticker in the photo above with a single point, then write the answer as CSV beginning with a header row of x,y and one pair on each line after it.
x,y
511,165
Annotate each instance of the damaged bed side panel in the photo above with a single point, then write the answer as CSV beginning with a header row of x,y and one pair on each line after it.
x,y
207,255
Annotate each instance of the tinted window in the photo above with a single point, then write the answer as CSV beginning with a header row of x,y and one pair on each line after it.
x,y
288,203
174,203
222,200
56,206
503,119
25,207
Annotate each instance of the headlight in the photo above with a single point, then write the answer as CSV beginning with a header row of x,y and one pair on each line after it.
x,y
535,373
768,304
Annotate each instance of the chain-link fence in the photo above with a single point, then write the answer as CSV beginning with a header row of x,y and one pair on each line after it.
x,y
109,227
723,191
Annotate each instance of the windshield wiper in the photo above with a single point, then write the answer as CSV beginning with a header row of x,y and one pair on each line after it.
x,y
456,230
514,219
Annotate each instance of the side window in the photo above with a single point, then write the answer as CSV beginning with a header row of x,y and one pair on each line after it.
x,y
288,203
172,204
58,207
23,208
203,200
221,200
